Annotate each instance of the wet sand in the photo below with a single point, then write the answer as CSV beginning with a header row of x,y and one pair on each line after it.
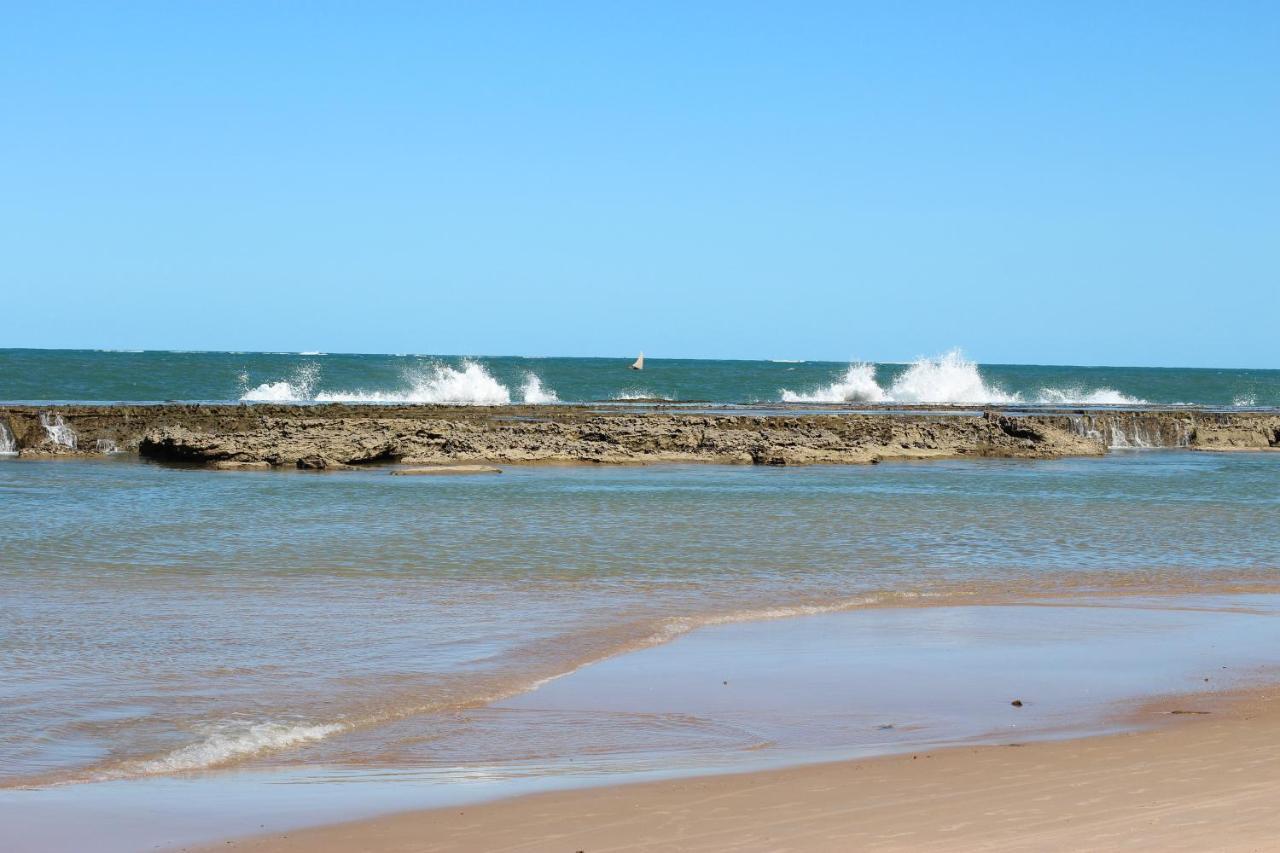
x,y
1202,773
1200,782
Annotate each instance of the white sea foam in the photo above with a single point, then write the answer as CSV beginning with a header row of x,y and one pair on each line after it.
x,y
296,388
638,394
1245,400
469,383
273,392
534,392
950,378
1082,397
228,742
858,385
947,379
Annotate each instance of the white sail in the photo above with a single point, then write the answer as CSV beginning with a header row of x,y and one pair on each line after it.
x,y
638,364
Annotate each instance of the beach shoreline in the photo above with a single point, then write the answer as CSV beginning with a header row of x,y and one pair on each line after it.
x,y
1049,724
1201,774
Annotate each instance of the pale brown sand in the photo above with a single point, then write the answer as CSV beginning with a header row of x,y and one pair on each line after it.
x,y
1201,782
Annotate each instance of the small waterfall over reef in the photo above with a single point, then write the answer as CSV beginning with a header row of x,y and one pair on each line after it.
x,y
1129,430
57,430
8,444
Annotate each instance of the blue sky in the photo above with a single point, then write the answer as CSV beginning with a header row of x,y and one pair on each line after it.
x,y
1084,183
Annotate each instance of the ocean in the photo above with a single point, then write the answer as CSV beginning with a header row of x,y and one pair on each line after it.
x,y
28,375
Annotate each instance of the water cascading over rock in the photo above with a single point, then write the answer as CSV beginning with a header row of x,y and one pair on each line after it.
x,y
1130,430
57,430
8,444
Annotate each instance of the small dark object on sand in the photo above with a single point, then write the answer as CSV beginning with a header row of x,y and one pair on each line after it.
x,y
1017,703
1189,712
885,727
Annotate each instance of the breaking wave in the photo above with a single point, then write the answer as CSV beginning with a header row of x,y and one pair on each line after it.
x,y
229,742
950,378
534,392
470,383
858,385
297,388
947,379
632,395
1080,397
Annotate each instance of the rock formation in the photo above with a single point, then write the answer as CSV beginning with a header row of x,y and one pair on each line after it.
x,y
340,436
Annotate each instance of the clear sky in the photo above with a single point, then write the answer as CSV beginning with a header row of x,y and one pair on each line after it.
x,y
1082,182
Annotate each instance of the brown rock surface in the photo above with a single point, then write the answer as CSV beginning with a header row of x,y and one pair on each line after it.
x,y
335,436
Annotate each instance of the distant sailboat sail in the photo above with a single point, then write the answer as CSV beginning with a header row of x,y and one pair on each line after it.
x,y
638,364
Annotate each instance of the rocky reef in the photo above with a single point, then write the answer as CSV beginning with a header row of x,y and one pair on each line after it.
x,y
336,436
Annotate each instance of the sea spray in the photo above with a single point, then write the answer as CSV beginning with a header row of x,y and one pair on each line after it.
x,y
297,388
1082,397
469,383
635,395
857,385
949,379
534,392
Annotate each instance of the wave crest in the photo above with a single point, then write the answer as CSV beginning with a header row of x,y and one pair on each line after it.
x,y
949,379
534,392
296,388
470,384
1080,397
231,741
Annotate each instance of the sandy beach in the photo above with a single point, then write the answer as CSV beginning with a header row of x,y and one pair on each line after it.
x,y
1206,780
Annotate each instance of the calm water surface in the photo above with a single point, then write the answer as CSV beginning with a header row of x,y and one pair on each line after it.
x,y
161,620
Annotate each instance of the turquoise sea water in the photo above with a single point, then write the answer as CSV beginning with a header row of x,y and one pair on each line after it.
x,y
91,375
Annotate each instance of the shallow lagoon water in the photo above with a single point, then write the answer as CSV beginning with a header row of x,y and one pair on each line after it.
x,y
729,698
166,627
